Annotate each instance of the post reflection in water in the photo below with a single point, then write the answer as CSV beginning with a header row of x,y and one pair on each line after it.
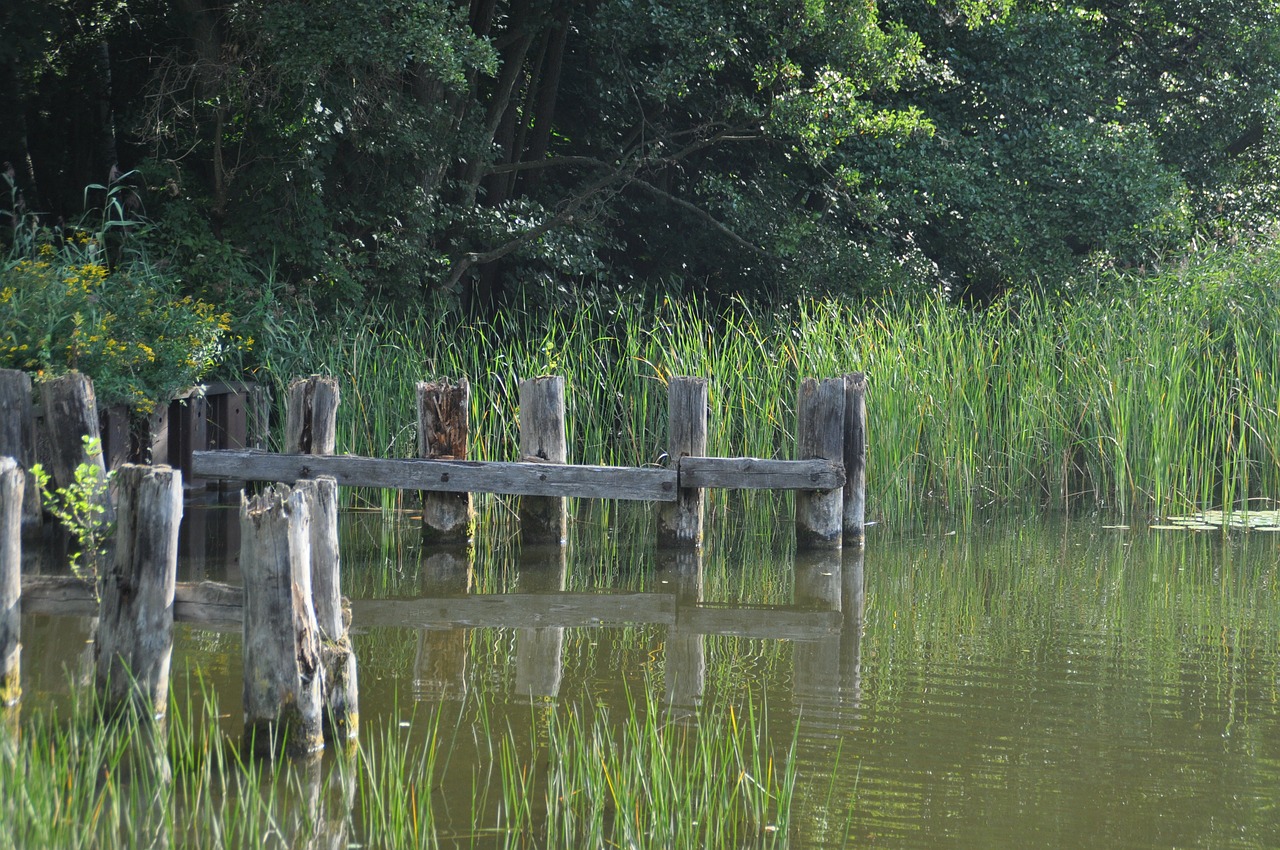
x,y
440,662
539,661
828,679
680,572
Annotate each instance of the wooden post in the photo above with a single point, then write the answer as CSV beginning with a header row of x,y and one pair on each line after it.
x,y
855,457
820,434
444,414
543,519
680,522
282,664
311,416
157,451
135,629
12,484
70,415
341,693
18,436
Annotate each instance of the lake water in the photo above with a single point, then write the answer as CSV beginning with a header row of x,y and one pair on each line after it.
x,y
1027,684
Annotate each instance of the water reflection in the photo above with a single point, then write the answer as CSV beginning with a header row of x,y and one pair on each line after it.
x,y
1034,685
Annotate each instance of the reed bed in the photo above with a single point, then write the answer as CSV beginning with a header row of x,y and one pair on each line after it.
x,y
576,777
1144,396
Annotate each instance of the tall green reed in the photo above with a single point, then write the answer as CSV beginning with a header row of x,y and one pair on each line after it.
x,y
1141,396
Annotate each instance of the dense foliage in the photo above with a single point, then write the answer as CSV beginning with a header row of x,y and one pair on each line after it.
x,y
503,152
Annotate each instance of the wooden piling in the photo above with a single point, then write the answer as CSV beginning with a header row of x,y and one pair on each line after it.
x,y
855,457
311,416
340,691
680,522
18,436
820,434
444,415
135,631
283,704
12,485
543,519
71,415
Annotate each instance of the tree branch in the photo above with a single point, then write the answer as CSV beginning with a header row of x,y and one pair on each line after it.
x,y
697,212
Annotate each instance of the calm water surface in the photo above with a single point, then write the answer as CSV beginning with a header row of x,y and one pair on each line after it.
x,y
1031,684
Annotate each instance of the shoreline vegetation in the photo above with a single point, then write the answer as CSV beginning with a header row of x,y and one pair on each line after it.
x,y
1140,396
579,777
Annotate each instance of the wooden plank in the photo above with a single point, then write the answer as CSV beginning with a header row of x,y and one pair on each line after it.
x,y
751,473
516,610
445,476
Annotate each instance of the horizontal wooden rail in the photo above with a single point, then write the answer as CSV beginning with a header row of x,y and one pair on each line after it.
x,y
524,478
752,473
445,476
218,606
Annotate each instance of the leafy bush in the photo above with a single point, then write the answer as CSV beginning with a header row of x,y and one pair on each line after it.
x,y
64,305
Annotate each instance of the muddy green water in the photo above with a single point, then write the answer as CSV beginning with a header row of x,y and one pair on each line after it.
x,y
1030,684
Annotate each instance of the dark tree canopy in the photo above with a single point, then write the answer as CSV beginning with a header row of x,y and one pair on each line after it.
x,y
502,151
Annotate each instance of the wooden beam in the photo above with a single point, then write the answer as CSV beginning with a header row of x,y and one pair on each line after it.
x,y
445,476
750,473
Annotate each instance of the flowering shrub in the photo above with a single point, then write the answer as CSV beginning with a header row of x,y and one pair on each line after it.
x,y
127,327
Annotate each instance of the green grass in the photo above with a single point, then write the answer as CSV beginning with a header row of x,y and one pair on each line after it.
x,y
1139,396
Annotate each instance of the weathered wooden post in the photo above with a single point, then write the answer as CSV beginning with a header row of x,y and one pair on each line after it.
x,y
855,457
680,522
341,692
135,628
12,484
18,436
820,434
283,703
543,519
444,415
71,415
311,416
